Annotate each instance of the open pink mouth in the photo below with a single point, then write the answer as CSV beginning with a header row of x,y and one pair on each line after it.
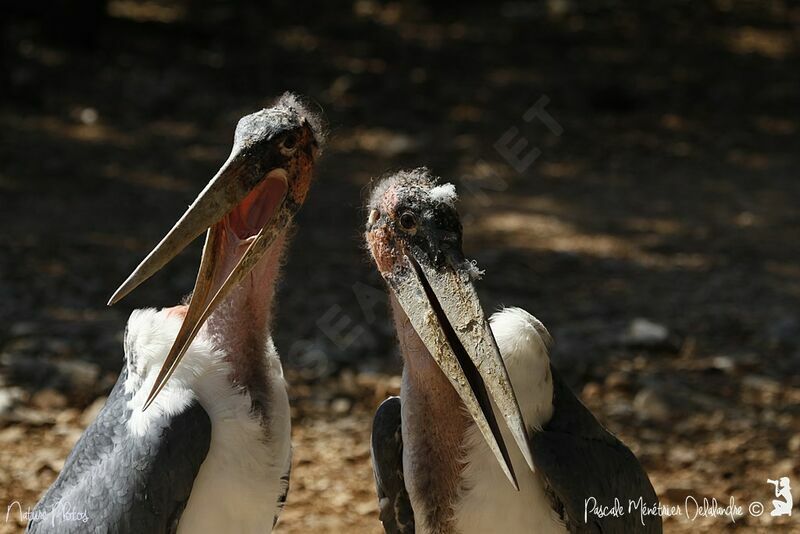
x,y
257,208
238,229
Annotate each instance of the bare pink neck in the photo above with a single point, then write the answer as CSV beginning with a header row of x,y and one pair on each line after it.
x,y
434,423
241,323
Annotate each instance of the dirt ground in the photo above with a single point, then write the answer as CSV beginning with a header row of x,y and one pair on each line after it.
x,y
655,234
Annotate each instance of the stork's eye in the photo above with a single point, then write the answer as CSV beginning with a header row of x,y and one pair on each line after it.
x,y
289,144
408,221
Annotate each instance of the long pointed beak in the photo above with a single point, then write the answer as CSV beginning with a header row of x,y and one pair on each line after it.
x,y
445,311
228,187
212,285
237,184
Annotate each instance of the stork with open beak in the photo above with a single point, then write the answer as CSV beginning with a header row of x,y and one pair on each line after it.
x,y
485,436
195,435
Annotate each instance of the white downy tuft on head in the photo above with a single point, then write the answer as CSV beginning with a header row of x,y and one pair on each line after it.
x,y
445,193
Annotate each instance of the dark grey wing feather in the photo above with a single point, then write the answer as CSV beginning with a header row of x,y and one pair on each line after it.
x,y
126,484
394,504
580,459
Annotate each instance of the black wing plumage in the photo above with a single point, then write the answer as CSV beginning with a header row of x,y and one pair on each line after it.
x,y
394,504
579,460
125,484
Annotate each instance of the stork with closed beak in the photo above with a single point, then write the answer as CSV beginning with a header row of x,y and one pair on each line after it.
x,y
485,436
203,446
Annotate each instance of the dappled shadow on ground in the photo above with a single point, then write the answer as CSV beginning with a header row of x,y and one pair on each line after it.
x,y
667,192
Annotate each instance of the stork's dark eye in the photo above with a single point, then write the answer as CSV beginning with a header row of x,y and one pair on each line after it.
x,y
289,142
408,221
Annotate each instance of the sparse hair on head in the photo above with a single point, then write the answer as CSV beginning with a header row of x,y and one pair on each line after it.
x,y
302,106
419,178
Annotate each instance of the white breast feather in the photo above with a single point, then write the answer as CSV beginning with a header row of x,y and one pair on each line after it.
x,y
488,502
239,482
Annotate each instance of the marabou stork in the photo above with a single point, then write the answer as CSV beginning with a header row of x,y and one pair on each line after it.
x,y
469,387
209,449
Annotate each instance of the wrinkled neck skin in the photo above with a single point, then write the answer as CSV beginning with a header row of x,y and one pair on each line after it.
x,y
241,324
433,425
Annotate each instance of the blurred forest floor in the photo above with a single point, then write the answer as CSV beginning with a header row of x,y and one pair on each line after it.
x,y
656,234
